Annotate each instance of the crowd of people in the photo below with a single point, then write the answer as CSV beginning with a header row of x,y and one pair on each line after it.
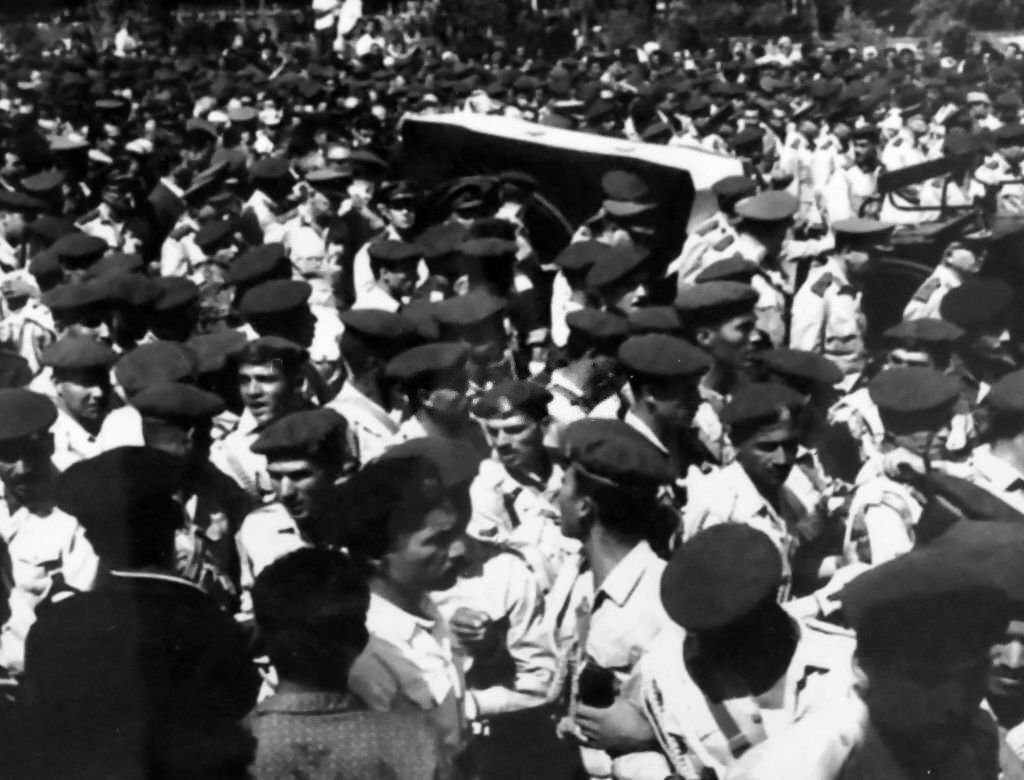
x,y
300,482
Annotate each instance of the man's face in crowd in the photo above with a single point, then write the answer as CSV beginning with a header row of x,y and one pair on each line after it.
x,y
1013,153
979,110
729,343
914,358
517,440
265,389
626,296
431,557
929,443
401,213
400,278
301,485
569,506
1006,677
12,225
864,152
768,454
25,467
924,711
672,402
91,322
84,394
362,190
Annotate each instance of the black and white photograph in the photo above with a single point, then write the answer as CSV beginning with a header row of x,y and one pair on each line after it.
x,y
512,390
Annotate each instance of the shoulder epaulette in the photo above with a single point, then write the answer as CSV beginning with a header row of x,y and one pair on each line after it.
x,y
822,283
926,290
724,243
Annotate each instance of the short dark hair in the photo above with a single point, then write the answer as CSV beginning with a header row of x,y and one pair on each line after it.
x,y
388,499
310,607
626,511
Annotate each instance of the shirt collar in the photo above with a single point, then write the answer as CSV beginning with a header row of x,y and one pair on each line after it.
x,y
393,624
623,579
638,425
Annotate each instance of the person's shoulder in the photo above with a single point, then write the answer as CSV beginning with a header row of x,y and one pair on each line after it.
x,y
268,518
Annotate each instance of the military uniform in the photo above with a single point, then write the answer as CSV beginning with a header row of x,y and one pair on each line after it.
x,y
266,534
697,733
498,582
927,299
848,191
828,319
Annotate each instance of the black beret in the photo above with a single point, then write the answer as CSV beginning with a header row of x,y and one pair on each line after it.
x,y
270,169
78,352
582,254
177,401
1009,135
654,319
614,451
700,299
67,297
800,365
304,431
131,479
657,354
175,292
913,390
1007,394
624,186
79,249
24,413
11,200
489,248
276,346
510,397
933,597
926,330
760,401
378,324
394,252
862,229
976,303
734,188
274,297
770,206
457,462
468,310
43,184
157,361
130,289
50,228
598,324
719,576
426,359
614,266
441,240
213,350
211,235
259,263
735,269
116,263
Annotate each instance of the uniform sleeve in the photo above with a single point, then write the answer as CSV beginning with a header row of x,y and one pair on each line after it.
x,y
807,327
362,273
836,198
529,644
